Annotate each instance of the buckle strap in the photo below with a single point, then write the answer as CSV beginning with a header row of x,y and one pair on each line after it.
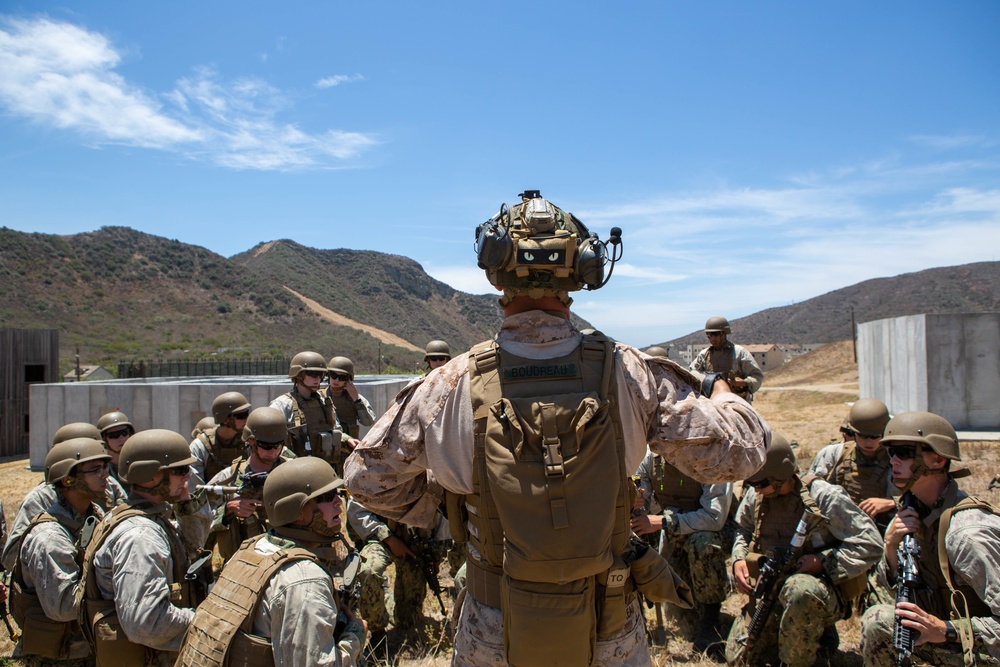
x,y
483,582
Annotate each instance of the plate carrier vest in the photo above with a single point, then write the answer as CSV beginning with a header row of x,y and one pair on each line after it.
x,y
218,456
221,633
673,489
551,500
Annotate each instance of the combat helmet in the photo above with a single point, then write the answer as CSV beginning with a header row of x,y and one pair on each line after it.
x,y
226,404
267,425
868,417
537,249
717,325
926,428
779,464
290,486
113,419
341,365
203,425
437,348
656,351
148,452
306,361
66,455
75,430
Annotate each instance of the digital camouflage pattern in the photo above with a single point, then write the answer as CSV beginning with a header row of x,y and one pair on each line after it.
x,y
878,651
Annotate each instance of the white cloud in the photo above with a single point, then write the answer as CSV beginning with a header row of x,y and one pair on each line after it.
x,y
337,79
59,74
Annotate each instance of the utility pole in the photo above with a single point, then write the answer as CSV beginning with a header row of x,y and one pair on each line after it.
x,y
78,373
380,357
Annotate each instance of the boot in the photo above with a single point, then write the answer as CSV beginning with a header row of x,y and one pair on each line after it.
x,y
708,629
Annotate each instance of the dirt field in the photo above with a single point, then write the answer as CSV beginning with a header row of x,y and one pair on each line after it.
x,y
806,401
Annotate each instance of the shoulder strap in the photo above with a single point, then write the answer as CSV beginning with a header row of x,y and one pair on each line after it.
x,y
269,567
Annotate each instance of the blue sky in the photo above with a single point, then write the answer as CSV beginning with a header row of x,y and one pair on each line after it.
x,y
754,154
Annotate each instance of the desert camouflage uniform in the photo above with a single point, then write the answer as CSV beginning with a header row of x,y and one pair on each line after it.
x,y
211,460
807,604
697,549
50,569
230,532
298,612
973,548
38,500
409,587
731,357
134,567
718,439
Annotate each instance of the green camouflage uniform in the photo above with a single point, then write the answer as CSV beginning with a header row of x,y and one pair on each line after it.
x,y
848,544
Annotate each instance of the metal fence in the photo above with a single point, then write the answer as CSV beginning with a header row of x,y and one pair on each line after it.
x,y
145,368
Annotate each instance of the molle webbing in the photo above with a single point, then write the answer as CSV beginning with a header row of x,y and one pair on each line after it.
x,y
347,413
867,480
225,618
673,489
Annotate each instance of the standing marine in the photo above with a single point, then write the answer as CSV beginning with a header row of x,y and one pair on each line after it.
x,y
537,432
353,410
216,448
733,361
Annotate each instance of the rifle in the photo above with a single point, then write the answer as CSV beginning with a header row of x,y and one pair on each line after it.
x,y
907,580
774,570
349,591
427,559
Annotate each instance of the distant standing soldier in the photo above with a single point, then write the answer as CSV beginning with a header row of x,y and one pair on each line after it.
x,y
437,354
45,579
44,495
214,449
733,361
690,519
957,609
312,420
115,429
241,515
862,466
842,544
275,602
137,600
352,408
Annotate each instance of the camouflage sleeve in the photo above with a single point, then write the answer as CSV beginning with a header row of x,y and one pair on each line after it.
x,y
3,527
645,475
711,516
39,499
699,361
367,524
747,366
860,546
973,546
285,406
366,413
745,519
200,452
49,566
714,440
824,461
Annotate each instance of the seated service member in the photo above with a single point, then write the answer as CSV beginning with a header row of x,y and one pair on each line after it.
x,y
45,579
689,521
240,515
551,523
861,466
43,496
275,602
957,610
841,545
137,602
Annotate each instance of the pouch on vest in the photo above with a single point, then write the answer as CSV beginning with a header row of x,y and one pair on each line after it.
x,y
249,650
41,635
111,647
548,441
658,582
753,561
553,624
611,602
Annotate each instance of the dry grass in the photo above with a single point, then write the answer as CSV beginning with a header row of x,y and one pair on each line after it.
x,y
806,401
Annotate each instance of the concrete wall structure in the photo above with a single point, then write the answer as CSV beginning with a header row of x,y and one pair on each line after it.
x,y
172,403
945,364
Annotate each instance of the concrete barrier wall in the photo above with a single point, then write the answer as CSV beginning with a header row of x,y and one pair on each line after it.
x,y
946,364
171,403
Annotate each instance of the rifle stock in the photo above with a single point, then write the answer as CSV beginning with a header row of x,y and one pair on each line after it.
x,y
349,591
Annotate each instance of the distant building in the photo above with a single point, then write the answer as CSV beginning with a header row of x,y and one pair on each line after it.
x,y
89,373
27,357
768,356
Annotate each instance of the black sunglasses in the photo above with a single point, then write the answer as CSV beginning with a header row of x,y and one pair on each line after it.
x,y
313,374
759,484
180,471
242,414
329,496
438,358
340,376
120,433
902,452
270,446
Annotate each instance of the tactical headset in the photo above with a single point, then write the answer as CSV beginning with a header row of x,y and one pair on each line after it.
x,y
539,249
